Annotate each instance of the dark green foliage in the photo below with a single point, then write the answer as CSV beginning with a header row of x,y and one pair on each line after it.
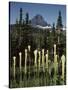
x,y
59,21
20,21
27,18
22,36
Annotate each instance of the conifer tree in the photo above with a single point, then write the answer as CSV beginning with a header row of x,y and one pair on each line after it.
x,y
27,18
59,21
53,28
20,21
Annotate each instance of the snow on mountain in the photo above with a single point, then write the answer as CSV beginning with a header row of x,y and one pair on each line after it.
x,y
43,27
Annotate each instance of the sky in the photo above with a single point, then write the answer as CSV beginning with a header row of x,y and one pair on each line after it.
x,y
48,11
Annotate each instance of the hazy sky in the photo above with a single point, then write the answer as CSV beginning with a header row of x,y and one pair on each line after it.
x,y
48,11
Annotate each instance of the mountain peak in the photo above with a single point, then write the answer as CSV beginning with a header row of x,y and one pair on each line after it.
x,y
38,20
38,16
